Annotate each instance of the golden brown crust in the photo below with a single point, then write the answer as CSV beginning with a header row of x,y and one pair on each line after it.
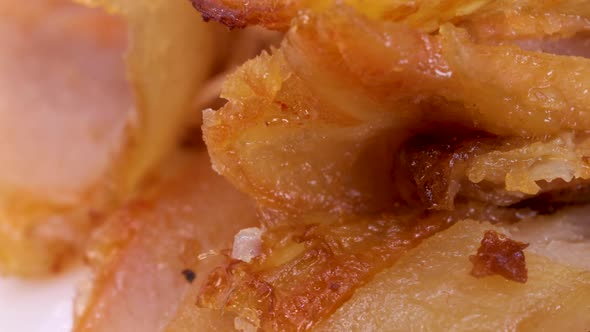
x,y
488,19
306,273
312,136
312,129
274,15
301,127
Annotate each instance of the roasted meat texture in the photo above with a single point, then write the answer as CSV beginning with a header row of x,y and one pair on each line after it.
x,y
437,169
81,126
144,256
508,20
274,14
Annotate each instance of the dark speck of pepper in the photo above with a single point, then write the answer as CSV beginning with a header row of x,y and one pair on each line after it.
x,y
189,275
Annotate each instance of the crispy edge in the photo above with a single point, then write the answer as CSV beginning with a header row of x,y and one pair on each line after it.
x,y
237,15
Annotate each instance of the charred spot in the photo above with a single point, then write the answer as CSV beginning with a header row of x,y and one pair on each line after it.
x,y
283,105
206,18
189,275
220,13
242,16
499,255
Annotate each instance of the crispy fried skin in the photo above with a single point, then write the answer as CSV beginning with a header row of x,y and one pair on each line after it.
x,y
292,152
431,169
273,14
489,20
302,126
466,81
305,273
313,130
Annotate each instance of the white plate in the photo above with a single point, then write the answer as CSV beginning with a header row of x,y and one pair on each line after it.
x,y
38,305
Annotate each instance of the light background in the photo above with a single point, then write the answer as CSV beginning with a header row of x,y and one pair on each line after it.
x,y
38,305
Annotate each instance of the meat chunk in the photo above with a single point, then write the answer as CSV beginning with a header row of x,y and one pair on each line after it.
x,y
144,255
430,288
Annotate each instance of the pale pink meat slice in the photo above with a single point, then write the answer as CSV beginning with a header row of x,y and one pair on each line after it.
x,y
64,98
140,255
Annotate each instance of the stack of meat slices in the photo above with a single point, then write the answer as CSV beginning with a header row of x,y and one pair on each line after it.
x,y
414,166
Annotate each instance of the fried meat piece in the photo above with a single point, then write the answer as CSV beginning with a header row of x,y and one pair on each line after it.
x,y
141,256
274,14
305,276
302,129
314,132
430,288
